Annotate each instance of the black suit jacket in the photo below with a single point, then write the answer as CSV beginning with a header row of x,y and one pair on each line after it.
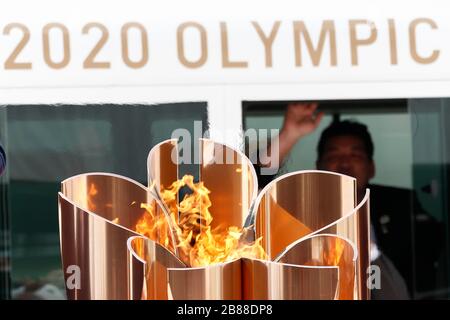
x,y
407,234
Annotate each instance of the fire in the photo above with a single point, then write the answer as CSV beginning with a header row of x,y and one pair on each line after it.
x,y
336,256
198,243
333,256
93,192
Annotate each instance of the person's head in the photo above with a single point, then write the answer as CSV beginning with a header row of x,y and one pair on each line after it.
x,y
346,147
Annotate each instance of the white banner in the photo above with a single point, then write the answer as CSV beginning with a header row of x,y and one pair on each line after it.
x,y
50,43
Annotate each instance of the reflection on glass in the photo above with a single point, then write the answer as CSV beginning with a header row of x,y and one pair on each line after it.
x,y
409,192
47,144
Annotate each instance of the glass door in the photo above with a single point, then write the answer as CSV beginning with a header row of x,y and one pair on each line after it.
x,y
431,145
47,144
409,190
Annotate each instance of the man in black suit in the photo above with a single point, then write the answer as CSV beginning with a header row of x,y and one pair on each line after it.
x,y
408,234
402,229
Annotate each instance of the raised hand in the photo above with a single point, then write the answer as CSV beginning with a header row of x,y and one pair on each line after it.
x,y
300,119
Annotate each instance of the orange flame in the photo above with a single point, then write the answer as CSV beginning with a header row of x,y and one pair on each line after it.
x,y
332,257
199,244
92,194
336,256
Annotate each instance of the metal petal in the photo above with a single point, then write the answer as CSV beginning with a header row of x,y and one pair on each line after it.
x,y
309,202
96,218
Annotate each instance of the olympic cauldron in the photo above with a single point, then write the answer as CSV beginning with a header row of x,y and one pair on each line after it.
x,y
311,234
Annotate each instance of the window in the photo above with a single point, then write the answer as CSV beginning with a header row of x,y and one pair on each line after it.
x,y
410,189
47,144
